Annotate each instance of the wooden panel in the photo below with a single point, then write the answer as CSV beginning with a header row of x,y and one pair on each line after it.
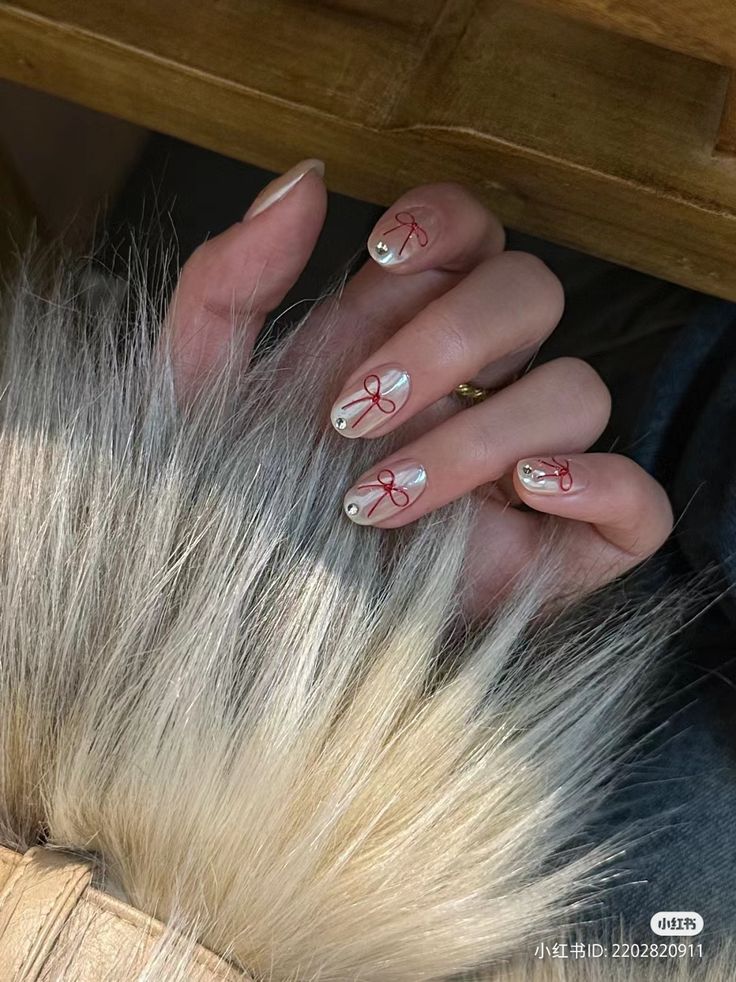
x,y
72,159
704,28
265,45
727,131
587,138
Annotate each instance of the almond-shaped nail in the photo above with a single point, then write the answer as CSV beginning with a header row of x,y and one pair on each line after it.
x,y
281,186
369,403
552,475
385,492
400,235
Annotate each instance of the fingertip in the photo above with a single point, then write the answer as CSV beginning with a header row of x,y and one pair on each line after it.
x,y
441,226
309,172
625,504
401,234
543,481
233,280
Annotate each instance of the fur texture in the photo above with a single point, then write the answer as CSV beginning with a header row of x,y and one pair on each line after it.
x,y
266,725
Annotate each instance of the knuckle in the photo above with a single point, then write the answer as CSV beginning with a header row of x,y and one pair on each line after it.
x,y
450,192
478,444
586,392
455,187
476,438
447,337
536,281
194,278
453,194
644,509
199,260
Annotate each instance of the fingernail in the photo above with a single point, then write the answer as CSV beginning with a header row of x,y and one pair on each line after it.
x,y
551,475
385,492
399,235
281,186
369,403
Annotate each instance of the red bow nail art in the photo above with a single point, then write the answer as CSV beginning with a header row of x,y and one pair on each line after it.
x,y
407,220
372,385
559,470
398,496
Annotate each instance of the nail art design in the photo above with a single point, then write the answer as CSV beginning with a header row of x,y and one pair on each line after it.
x,y
385,493
280,186
398,237
547,476
380,394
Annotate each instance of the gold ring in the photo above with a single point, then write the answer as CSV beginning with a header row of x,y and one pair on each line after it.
x,y
473,393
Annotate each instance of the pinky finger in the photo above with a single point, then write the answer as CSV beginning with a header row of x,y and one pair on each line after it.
x,y
620,503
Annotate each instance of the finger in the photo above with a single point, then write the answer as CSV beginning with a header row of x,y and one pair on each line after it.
x,y
373,306
501,310
368,311
439,226
607,515
627,514
564,400
233,280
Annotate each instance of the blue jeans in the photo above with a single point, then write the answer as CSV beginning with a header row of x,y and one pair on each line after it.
x,y
681,798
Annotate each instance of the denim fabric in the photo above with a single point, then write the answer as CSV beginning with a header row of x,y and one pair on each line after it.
x,y
682,797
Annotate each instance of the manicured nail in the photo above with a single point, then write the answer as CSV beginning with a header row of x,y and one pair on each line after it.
x,y
399,235
551,475
281,186
383,493
371,401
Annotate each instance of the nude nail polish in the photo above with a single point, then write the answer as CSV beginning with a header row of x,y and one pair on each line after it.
x,y
373,399
281,186
551,475
400,235
385,492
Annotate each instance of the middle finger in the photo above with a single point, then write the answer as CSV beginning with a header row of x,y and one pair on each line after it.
x,y
507,304
562,403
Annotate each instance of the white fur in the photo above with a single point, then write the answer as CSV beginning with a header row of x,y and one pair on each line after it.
x,y
266,724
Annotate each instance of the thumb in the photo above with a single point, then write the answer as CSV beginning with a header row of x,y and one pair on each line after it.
x,y
231,282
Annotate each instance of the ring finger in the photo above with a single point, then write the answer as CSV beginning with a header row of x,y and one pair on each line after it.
x,y
562,403
500,312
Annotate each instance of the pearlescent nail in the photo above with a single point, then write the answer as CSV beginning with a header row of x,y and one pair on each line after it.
x,y
550,475
385,492
399,235
280,186
371,401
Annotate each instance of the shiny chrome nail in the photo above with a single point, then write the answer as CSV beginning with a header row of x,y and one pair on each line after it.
x,y
368,404
385,492
402,234
549,475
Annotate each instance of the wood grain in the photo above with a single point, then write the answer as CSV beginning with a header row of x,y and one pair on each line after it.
x,y
726,142
587,138
703,28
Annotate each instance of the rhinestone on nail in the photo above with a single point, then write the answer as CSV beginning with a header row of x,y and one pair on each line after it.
x,y
351,509
527,469
340,423
381,249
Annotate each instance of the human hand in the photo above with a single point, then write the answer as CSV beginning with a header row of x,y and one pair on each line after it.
x,y
438,304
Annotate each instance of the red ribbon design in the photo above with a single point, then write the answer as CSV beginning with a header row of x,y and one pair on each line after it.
x,y
559,470
372,385
407,220
398,496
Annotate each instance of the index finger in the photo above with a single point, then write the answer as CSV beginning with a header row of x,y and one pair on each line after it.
x,y
440,226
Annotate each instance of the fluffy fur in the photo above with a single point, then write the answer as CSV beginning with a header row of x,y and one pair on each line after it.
x,y
266,725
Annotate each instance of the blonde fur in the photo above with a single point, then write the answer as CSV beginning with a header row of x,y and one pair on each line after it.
x,y
269,727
